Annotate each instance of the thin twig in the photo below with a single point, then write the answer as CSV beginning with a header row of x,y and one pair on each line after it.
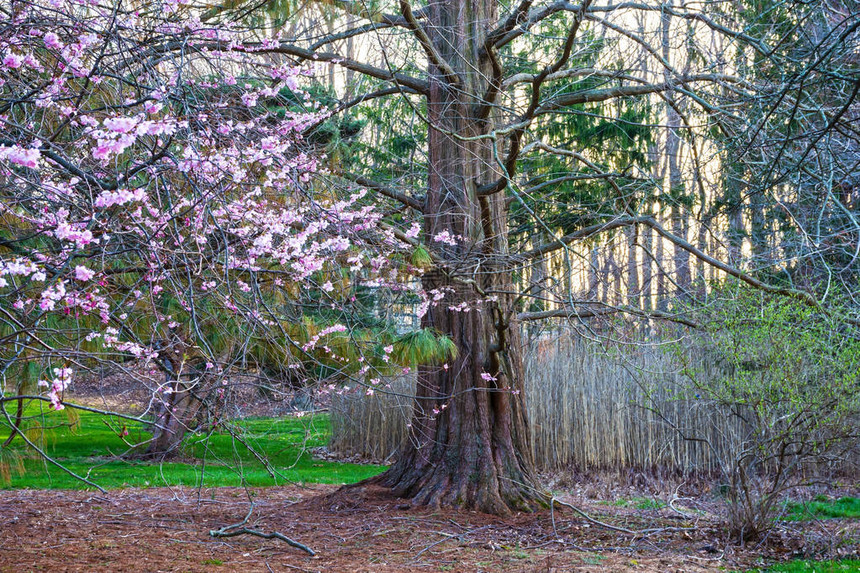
x,y
672,501
445,537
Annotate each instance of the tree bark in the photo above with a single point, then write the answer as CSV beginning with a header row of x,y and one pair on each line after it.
x,y
469,443
633,290
176,414
681,258
177,407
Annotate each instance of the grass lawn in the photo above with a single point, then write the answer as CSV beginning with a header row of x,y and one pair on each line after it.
x,y
800,566
88,444
823,508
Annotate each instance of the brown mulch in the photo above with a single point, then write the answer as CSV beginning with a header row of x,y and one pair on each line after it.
x,y
365,529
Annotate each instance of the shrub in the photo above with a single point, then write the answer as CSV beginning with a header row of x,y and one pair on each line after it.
x,y
792,377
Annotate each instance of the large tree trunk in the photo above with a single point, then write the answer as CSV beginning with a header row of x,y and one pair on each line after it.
x,y
469,443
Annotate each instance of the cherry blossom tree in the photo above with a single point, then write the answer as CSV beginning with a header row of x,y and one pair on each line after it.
x,y
162,213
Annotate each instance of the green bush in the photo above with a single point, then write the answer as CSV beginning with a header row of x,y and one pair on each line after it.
x,y
792,377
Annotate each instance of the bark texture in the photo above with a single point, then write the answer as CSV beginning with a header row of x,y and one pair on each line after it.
x,y
469,443
175,415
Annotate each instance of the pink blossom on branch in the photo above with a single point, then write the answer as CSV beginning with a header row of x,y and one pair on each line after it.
x,y
174,189
82,273
21,156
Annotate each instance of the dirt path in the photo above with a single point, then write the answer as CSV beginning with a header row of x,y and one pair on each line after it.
x,y
360,530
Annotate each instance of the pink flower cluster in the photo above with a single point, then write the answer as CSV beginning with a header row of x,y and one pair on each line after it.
x,y
179,191
57,385
25,157
121,197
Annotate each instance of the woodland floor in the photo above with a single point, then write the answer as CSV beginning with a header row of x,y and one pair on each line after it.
x,y
366,529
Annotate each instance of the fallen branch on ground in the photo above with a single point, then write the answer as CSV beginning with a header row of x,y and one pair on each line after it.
x,y
591,519
238,529
588,518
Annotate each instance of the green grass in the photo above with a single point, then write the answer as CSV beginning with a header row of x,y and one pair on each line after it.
x,y
799,566
823,508
88,444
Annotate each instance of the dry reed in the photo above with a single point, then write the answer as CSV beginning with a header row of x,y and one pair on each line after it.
x,y
372,427
588,408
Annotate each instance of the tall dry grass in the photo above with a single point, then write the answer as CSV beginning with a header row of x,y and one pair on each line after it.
x,y
372,427
589,408
592,408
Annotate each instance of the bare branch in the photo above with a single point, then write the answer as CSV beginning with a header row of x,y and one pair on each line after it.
x,y
238,529
385,190
432,55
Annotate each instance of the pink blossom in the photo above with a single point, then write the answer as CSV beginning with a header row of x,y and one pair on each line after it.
x,y
21,156
156,128
52,40
121,124
67,232
445,237
62,380
118,197
413,231
13,61
82,273
56,404
52,295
